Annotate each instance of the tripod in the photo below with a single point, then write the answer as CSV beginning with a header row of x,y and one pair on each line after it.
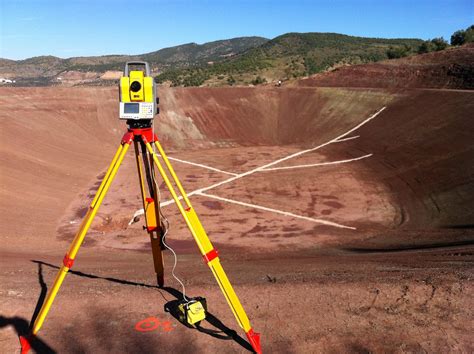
x,y
141,134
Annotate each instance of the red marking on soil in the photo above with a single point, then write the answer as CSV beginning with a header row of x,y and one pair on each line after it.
x,y
152,323
148,324
166,325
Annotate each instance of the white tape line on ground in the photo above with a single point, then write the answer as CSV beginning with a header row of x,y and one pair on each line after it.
x,y
360,124
170,201
317,164
346,139
255,206
137,213
201,165
257,169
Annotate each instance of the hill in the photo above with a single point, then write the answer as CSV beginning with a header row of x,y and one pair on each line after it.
x,y
44,70
289,56
451,68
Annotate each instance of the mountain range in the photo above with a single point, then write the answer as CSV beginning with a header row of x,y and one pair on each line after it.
x,y
189,54
243,60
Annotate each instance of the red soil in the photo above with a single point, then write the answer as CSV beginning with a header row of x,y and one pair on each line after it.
x,y
400,282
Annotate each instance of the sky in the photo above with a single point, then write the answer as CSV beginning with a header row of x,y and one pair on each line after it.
x,y
69,28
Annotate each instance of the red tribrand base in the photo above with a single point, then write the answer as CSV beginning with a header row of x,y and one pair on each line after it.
x,y
254,339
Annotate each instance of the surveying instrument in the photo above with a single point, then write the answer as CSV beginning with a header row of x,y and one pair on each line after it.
x,y
138,106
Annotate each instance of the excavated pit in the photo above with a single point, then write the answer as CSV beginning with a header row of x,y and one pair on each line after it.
x,y
413,173
371,227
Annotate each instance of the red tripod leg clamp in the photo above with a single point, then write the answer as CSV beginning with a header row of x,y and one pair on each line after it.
x,y
68,262
128,138
209,256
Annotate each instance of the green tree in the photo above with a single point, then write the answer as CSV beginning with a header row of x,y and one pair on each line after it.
x,y
469,37
439,43
463,36
258,80
231,80
398,52
425,47
458,37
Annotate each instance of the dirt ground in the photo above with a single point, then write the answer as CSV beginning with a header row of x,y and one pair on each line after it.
x,y
360,242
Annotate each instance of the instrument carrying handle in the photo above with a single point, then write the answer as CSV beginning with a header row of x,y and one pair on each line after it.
x,y
138,62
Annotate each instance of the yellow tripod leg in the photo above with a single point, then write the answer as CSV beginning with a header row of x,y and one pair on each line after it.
x,y
205,246
79,238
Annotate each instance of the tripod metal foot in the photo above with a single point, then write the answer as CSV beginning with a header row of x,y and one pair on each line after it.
x,y
25,342
254,340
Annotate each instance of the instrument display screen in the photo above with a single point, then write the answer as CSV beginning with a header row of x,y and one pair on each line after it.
x,y
131,108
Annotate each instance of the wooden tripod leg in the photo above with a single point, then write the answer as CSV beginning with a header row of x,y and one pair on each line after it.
x,y
151,211
77,242
158,261
156,236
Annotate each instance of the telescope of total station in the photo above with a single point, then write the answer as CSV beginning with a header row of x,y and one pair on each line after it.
x,y
138,106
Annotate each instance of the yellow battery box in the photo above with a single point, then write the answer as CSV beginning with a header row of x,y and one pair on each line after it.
x,y
193,311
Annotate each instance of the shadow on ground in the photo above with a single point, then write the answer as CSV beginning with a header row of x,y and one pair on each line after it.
x,y
222,332
404,248
23,327
219,330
